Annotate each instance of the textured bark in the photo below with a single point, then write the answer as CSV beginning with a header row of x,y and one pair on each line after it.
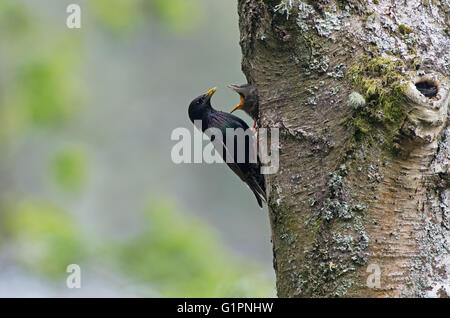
x,y
364,156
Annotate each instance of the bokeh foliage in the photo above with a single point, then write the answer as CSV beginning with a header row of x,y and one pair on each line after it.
x,y
41,90
122,16
40,82
69,169
182,256
43,236
52,91
177,256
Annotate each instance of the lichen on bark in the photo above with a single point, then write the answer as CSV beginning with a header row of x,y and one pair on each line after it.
x,y
363,175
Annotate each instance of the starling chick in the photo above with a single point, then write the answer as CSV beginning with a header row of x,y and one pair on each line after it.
x,y
249,103
248,171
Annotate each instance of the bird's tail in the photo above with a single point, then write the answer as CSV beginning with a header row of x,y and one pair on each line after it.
x,y
259,190
259,198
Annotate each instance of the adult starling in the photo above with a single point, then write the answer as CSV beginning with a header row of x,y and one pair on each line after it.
x,y
249,171
248,100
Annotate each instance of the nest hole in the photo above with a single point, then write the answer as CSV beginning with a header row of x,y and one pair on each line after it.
x,y
428,88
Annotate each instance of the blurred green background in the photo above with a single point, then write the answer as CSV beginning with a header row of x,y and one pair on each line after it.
x,y
85,170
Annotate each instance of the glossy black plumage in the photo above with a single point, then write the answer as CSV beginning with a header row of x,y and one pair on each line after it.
x,y
200,109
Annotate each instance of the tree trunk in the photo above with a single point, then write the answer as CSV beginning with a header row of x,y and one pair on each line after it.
x,y
360,206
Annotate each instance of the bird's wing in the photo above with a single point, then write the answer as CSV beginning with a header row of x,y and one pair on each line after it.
x,y
225,120
249,172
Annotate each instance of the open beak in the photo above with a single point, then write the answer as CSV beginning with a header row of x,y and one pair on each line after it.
x,y
210,93
241,103
237,89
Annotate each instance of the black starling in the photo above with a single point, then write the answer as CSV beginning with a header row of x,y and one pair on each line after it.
x,y
249,171
248,95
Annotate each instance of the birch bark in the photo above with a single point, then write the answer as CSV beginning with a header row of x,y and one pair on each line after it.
x,y
364,182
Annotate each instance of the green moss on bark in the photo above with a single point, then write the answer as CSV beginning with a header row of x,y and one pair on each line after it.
x,y
382,82
403,29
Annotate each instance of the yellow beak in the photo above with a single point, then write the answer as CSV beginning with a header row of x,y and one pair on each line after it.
x,y
241,103
210,93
